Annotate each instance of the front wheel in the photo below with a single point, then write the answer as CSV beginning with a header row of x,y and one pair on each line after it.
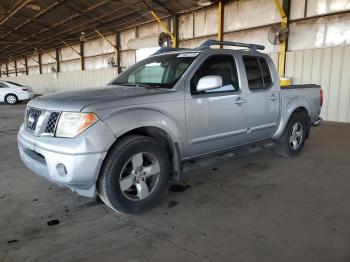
x,y
134,175
292,141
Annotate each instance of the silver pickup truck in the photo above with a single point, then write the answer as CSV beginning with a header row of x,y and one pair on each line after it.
x,y
126,140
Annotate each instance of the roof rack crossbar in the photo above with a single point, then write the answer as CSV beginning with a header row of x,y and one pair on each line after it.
x,y
209,43
169,49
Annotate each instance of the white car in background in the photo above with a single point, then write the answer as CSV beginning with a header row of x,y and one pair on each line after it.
x,y
12,93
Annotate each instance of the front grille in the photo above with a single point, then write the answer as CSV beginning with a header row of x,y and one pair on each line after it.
x,y
52,122
32,118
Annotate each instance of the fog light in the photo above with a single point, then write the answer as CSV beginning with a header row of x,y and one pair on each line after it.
x,y
61,169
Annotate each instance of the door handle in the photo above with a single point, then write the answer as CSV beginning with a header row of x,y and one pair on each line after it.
x,y
273,97
239,101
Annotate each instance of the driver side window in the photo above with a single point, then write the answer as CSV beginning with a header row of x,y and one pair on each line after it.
x,y
220,65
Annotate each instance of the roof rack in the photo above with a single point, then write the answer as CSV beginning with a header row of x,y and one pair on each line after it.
x,y
209,43
169,49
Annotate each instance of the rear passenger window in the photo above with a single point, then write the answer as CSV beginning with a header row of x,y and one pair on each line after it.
x,y
258,73
221,65
265,73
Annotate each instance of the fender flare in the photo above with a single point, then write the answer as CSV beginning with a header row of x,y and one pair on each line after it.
x,y
289,106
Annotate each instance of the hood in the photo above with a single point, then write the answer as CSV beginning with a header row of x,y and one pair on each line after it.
x,y
77,100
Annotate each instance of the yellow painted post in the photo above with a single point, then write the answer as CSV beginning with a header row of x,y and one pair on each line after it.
x,y
106,39
282,53
173,38
71,47
220,21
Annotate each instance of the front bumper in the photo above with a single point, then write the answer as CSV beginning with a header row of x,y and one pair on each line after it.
x,y
71,163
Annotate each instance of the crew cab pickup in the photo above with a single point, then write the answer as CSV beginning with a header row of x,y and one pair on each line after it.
x,y
126,140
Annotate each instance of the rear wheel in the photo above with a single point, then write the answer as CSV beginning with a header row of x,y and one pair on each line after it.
x,y
292,141
11,99
134,175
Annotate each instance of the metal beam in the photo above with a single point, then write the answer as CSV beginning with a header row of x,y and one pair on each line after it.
x,y
163,6
173,39
106,39
68,19
36,61
75,51
14,11
42,12
76,28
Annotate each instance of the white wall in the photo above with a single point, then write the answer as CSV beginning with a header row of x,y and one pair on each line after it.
x,y
328,67
49,83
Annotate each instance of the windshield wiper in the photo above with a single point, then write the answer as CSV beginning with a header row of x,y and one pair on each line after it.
x,y
149,86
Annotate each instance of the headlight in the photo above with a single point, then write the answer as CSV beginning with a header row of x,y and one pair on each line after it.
x,y
72,124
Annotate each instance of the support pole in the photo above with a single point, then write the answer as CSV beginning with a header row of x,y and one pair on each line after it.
x,y
82,57
220,21
7,70
40,63
175,21
58,69
26,65
16,67
284,25
117,44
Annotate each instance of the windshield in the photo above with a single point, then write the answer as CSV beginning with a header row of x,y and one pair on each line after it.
x,y
157,72
13,83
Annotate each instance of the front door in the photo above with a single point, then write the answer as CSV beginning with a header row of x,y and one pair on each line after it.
x,y
215,119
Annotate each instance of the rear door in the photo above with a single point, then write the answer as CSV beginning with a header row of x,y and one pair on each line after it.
x,y
263,98
215,119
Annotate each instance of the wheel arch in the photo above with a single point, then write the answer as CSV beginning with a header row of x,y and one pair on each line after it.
x,y
287,114
171,146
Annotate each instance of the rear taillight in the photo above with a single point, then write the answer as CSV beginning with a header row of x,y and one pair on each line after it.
x,y
321,97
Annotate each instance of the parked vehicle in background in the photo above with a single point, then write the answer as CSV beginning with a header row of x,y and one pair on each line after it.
x,y
12,93
125,141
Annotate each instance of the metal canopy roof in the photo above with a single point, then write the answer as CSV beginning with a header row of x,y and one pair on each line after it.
x,y
26,25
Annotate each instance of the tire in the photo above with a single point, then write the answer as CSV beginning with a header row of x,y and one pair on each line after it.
x,y
11,99
291,143
129,168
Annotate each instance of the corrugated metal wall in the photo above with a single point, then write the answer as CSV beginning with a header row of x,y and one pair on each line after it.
x,y
328,67
49,83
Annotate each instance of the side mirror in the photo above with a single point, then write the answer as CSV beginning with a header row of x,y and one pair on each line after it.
x,y
209,82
